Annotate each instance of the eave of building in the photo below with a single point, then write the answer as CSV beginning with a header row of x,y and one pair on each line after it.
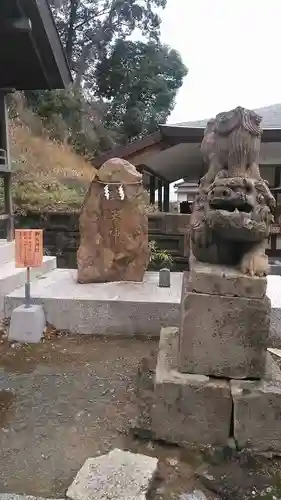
x,y
31,55
174,153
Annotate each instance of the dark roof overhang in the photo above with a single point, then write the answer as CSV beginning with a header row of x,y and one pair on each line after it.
x,y
31,53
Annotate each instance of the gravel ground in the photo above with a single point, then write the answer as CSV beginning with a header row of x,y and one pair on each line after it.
x,y
67,399
70,398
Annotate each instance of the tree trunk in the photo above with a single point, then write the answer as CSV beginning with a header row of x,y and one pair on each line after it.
x,y
82,66
70,30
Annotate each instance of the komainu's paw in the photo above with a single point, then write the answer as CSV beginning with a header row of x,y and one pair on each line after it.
x,y
254,264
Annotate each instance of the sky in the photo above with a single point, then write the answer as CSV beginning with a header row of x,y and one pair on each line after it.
x,y
232,49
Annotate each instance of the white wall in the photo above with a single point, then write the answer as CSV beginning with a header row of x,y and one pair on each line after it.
x,y
181,197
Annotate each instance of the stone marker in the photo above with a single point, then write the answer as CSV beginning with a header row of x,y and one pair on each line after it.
x,y
119,475
164,278
27,324
113,226
223,336
187,408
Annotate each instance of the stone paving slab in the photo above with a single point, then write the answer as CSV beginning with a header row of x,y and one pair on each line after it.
x,y
119,475
125,308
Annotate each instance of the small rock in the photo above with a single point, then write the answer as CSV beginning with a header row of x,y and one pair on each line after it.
x,y
119,475
172,461
195,495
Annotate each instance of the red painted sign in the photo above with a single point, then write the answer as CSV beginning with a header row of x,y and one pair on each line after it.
x,y
29,247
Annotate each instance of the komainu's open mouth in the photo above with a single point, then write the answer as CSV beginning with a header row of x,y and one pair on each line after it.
x,y
231,205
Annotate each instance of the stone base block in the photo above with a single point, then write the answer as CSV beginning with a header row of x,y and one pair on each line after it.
x,y
257,413
223,280
223,336
27,324
187,408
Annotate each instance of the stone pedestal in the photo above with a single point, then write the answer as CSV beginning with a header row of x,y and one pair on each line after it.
x,y
187,408
224,333
198,395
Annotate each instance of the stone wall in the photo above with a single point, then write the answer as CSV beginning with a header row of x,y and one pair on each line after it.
x,y
61,235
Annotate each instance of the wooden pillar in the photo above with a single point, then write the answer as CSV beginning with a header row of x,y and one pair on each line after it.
x,y
152,189
166,204
160,195
5,170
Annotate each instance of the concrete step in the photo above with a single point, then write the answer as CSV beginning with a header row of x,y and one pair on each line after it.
x,y
124,308
12,277
7,251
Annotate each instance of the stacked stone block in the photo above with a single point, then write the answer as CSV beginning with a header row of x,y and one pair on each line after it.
x,y
214,378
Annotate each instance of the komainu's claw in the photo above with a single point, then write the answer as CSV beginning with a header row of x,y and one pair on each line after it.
x,y
254,264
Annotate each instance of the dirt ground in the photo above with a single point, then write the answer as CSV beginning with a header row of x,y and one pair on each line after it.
x,y
70,398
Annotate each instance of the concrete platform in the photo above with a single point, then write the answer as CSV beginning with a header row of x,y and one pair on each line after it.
x,y
12,277
104,308
7,251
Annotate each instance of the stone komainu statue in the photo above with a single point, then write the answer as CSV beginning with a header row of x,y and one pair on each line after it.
x,y
232,213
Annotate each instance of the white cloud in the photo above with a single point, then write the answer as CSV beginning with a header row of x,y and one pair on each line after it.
x,y
232,50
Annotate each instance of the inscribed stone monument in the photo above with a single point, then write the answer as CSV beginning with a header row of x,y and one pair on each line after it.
x,y
113,226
